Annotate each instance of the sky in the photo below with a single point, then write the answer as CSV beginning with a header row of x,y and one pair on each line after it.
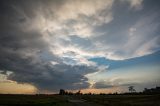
x,y
98,46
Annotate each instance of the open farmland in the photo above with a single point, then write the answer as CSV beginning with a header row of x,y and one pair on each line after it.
x,y
79,100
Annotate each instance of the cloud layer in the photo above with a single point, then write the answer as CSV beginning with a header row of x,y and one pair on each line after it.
x,y
49,43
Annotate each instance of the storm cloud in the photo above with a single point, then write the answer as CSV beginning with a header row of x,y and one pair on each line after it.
x,y
50,44
25,51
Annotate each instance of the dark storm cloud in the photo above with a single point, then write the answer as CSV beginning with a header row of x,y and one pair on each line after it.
x,y
46,77
26,53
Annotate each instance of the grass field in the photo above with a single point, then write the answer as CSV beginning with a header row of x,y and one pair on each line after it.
x,y
79,100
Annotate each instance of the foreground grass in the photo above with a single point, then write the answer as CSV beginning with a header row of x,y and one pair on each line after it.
x,y
60,100
33,100
124,100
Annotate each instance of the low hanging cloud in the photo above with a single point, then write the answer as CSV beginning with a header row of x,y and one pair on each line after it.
x,y
119,82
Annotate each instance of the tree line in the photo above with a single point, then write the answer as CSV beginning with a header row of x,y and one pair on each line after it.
x,y
131,90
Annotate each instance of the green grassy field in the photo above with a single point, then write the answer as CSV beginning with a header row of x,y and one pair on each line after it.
x,y
63,100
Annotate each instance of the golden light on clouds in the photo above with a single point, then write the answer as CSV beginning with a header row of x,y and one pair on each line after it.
x,y
11,87
104,90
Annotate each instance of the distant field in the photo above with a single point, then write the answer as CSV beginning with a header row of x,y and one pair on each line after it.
x,y
124,100
79,100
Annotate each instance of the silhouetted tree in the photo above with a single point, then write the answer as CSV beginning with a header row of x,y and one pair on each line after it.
x,y
89,93
70,93
152,90
61,91
66,92
131,89
79,92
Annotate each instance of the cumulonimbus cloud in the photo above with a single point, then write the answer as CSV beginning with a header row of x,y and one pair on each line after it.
x,y
49,43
